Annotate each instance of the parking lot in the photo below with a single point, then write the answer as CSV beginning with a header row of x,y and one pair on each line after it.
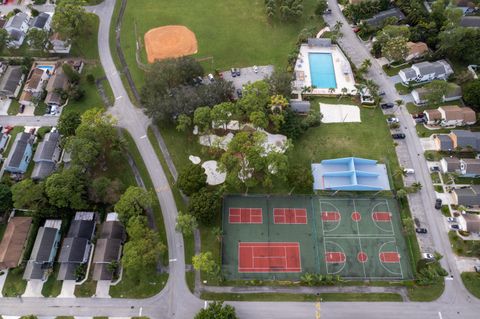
x,y
248,75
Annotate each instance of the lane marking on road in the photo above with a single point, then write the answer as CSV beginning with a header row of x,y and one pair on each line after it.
x,y
172,260
317,310
448,278
118,97
206,304
440,315
140,311
143,136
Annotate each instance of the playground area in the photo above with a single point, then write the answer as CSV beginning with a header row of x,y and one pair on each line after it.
x,y
283,237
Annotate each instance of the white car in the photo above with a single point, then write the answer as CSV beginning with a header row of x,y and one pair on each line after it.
x,y
409,171
392,120
255,69
428,256
451,219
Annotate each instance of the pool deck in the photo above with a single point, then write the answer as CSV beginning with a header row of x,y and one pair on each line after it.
x,y
343,71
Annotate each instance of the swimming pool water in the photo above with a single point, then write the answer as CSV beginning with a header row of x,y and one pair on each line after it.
x,y
45,67
322,71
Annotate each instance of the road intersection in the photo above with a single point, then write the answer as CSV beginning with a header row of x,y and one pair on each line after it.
x,y
176,301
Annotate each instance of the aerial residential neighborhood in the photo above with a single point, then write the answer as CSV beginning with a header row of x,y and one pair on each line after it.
x,y
239,159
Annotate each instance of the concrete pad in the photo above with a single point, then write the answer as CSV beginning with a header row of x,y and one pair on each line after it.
x,y
214,176
446,198
428,144
68,289
466,264
2,280
4,105
194,159
248,75
103,288
339,113
34,288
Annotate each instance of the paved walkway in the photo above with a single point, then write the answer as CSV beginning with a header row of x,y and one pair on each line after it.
x,y
34,288
68,289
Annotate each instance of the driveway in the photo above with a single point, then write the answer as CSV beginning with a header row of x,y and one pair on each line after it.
x,y
103,288
427,144
395,79
68,289
248,75
4,105
34,288
2,279
466,264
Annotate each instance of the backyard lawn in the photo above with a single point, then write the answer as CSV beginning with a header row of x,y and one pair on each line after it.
x,y
234,33
471,280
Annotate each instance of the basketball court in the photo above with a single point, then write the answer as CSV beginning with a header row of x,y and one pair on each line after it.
x,y
282,237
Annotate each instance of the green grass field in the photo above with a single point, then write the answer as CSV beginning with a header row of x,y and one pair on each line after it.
x,y
471,280
234,33
317,239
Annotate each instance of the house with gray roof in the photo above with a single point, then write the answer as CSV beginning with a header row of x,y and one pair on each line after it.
x,y
469,222
76,247
468,197
465,167
42,21
443,142
108,249
57,82
17,27
465,140
420,95
301,107
379,18
43,252
20,154
47,156
470,22
4,137
11,81
426,71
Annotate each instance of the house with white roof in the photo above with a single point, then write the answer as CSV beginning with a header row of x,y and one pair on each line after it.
x,y
426,72
17,27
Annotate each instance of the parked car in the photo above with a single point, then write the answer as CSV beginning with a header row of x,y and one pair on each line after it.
x,y
434,169
477,268
438,203
255,69
387,105
381,93
428,256
409,171
237,72
454,227
392,120
418,115
398,136
451,219
421,230
420,120
232,72
211,77
22,108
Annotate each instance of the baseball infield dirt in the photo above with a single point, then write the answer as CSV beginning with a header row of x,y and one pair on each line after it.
x,y
169,42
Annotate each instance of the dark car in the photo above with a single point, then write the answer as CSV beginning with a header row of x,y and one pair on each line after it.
x,y
421,230
455,227
398,136
22,108
438,203
239,93
418,115
387,105
381,93
328,11
232,72
237,71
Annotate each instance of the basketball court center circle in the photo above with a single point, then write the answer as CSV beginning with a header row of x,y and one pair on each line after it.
x,y
356,217
362,257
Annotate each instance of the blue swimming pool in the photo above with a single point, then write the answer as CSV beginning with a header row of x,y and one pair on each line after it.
x,y
45,67
322,71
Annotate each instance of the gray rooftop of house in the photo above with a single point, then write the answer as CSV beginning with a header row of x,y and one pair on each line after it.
x,y
73,250
20,145
467,138
11,78
319,42
17,20
42,170
113,230
430,67
446,142
48,147
300,106
67,271
43,244
41,20
409,72
16,35
81,229
470,22
377,19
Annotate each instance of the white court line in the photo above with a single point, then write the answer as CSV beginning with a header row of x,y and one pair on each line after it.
x,y
400,261
375,223
391,219
339,214
343,252
381,263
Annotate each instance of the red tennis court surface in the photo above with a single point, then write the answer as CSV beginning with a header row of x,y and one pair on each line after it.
x,y
382,216
269,257
289,215
334,257
245,216
331,216
390,257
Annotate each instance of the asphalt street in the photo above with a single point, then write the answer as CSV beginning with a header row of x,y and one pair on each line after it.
x,y
176,301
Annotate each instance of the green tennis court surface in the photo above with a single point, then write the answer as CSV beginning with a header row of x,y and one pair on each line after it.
x,y
282,237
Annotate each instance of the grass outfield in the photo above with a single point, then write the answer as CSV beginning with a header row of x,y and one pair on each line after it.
x,y
235,33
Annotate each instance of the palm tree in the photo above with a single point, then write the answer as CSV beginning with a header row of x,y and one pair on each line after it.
x,y
401,193
400,172
331,90
338,25
344,91
218,233
417,186
366,64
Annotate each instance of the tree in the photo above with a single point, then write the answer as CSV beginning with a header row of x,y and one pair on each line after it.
x,y
395,49
205,262
69,18
37,39
320,8
183,123
67,189
460,44
259,119
401,193
72,75
28,195
104,190
217,233
280,83
191,179
300,179
256,97
391,32
143,249
4,38
217,310
186,224
220,114
205,206
132,203
436,89
471,93
415,187
6,201
201,118
68,123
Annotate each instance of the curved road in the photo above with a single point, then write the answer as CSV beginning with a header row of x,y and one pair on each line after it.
x,y
176,301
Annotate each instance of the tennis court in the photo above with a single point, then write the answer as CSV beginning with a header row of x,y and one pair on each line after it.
x,y
283,237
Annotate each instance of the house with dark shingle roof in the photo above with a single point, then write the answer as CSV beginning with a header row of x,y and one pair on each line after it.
x,y
57,82
46,156
13,242
108,249
20,154
426,71
17,27
443,142
465,167
465,139
379,18
470,22
43,252
42,21
469,222
11,81
468,197
76,246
